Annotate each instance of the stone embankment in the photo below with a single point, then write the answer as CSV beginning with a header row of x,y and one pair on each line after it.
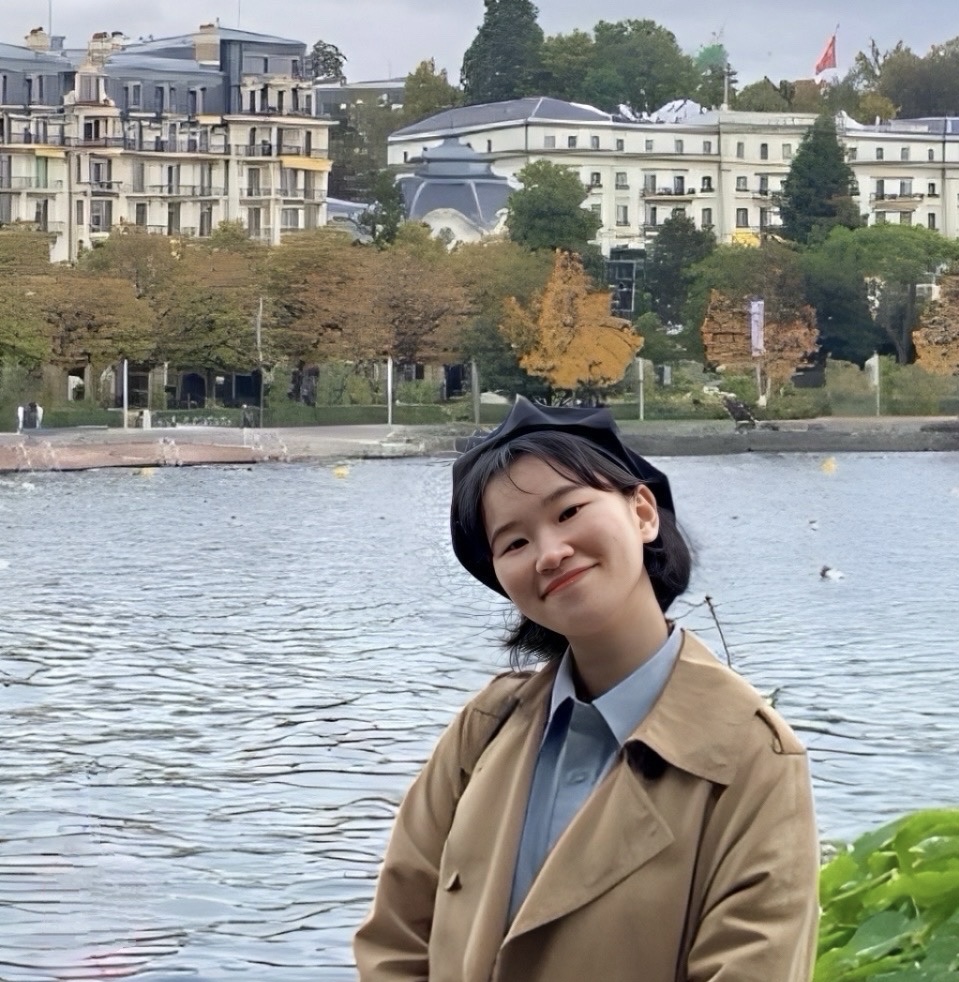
x,y
89,448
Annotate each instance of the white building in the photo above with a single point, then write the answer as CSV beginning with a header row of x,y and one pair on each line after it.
x,y
721,168
173,136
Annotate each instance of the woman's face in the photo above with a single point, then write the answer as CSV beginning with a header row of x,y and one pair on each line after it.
x,y
569,557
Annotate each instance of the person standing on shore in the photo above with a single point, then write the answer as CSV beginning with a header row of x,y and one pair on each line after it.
x,y
20,412
631,810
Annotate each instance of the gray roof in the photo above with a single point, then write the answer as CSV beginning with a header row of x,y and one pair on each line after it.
x,y
15,52
177,41
132,61
455,176
533,108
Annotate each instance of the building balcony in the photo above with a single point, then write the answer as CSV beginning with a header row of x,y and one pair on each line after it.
x,y
187,146
254,150
895,202
256,192
95,143
668,194
29,184
31,139
183,191
262,234
104,187
302,194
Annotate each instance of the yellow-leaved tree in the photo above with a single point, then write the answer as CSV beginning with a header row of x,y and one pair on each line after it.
x,y
567,334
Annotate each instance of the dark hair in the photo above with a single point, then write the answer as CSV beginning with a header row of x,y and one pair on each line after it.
x,y
668,558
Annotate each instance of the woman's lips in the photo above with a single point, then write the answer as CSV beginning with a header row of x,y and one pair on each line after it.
x,y
561,581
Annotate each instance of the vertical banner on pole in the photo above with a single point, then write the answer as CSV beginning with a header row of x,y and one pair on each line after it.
x,y
641,387
757,326
126,391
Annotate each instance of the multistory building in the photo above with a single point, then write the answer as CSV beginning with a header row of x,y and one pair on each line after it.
x,y
723,169
172,135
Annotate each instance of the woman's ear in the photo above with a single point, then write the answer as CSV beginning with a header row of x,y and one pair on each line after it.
x,y
647,513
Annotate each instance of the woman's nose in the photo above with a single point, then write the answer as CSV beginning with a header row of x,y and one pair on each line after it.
x,y
553,549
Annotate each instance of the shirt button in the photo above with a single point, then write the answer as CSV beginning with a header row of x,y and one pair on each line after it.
x,y
577,777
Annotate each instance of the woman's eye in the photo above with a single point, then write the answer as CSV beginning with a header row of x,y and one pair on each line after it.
x,y
514,545
567,513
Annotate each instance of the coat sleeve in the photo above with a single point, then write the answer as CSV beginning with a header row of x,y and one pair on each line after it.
x,y
392,943
760,910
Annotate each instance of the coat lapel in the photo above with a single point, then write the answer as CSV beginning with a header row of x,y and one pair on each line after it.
x,y
499,790
617,831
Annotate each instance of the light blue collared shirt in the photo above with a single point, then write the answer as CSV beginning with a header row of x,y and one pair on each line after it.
x,y
580,744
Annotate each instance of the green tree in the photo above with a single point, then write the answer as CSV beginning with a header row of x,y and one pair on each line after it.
x,y
358,147
567,59
894,259
761,97
387,211
712,67
427,91
327,61
817,191
547,212
678,246
503,61
650,67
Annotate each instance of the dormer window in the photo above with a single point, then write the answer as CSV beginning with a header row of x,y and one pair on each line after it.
x,y
88,89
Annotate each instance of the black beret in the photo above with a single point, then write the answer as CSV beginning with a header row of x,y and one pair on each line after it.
x,y
597,426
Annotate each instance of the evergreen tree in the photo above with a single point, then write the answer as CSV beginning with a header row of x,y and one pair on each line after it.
x,y
387,212
679,245
503,62
817,192
327,61
547,212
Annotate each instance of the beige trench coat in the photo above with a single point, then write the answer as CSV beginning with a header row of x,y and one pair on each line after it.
x,y
705,873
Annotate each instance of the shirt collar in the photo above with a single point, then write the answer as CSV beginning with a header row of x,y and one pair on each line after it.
x,y
626,705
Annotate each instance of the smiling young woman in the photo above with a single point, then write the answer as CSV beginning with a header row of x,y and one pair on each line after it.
x,y
631,810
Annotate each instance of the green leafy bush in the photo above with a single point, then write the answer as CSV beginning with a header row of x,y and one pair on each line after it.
x,y
891,904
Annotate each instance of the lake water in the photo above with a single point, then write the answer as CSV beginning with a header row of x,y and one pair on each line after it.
x,y
215,684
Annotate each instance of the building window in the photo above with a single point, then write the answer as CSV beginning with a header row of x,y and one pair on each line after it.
x,y
139,182
763,184
87,85
880,218
851,153
707,146
787,151
652,216
595,179
489,146
679,146
679,185
622,215
101,215
571,142
549,142
742,218
707,184
620,145
764,151
741,184
173,219
931,190
741,150
905,188
649,183
905,218
594,143
649,146
678,213
621,183
206,220
932,154
879,153
597,210
904,153
290,218
931,220
706,218
141,214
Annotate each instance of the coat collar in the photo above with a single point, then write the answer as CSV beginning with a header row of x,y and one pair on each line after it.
x,y
619,828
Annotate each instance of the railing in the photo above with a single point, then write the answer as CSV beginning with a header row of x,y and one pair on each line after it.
x,y
104,187
668,192
184,191
256,192
254,150
907,196
29,184
306,194
262,234
31,139
100,142
159,145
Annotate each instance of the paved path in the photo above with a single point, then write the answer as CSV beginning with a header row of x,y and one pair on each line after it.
x,y
83,448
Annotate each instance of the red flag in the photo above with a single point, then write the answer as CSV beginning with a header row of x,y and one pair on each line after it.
x,y
828,57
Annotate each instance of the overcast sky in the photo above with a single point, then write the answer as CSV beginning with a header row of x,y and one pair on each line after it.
x,y
390,37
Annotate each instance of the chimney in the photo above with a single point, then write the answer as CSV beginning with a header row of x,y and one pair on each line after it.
x,y
38,40
206,44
